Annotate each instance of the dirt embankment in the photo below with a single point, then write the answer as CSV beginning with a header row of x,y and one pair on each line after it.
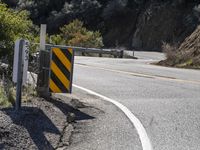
x,y
40,124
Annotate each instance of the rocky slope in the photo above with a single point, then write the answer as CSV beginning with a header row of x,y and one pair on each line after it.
x,y
162,22
154,23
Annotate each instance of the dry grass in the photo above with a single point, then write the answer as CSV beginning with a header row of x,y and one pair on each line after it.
x,y
170,51
4,100
171,55
186,55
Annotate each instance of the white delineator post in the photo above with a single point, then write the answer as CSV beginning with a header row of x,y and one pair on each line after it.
x,y
43,29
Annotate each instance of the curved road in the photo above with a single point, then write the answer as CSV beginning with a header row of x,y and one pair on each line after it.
x,y
165,100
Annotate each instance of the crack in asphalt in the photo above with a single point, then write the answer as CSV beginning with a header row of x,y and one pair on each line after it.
x,y
62,144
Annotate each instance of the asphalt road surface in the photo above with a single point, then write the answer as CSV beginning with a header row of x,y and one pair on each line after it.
x,y
165,100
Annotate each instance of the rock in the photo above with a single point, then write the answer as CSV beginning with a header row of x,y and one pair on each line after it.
x,y
71,117
77,104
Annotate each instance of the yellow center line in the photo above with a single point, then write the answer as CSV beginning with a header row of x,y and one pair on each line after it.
x,y
143,75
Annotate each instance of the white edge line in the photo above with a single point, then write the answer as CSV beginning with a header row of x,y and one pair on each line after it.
x,y
145,141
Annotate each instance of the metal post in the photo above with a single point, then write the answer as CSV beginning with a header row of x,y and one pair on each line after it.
x,y
100,53
72,70
121,54
19,77
115,53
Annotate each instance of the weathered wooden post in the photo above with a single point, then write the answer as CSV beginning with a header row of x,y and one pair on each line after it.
x,y
44,65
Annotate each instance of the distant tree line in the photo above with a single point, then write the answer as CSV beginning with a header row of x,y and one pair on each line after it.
x,y
101,15
57,13
16,23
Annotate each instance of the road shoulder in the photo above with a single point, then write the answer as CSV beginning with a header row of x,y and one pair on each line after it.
x,y
109,129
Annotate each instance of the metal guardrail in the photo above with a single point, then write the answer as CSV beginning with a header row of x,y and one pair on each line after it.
x,y
84,51
117,53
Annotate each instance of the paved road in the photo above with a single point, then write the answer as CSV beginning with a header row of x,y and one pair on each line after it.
x,y
165,100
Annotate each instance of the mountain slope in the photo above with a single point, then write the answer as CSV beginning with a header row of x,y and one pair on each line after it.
x,y
133,24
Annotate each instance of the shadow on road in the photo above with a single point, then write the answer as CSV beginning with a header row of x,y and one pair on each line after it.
x,y
1,146
65,108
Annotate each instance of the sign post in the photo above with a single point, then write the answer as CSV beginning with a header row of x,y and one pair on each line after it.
x,y
20,68
44,60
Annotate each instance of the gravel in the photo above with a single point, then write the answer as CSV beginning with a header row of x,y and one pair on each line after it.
x,y
40,124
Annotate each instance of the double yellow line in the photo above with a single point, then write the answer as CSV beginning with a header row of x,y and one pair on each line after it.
x,y
143,75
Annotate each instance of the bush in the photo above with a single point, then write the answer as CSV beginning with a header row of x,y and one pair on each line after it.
x,y
180,57
74,34
170,51
13,25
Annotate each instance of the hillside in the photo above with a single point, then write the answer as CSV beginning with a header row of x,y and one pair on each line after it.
x,y
134,24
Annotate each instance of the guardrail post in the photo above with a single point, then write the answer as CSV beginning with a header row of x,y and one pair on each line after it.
x,y
83,53
114,53
121,54
43,76
100,53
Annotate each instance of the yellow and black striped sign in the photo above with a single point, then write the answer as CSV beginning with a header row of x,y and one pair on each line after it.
x,y
61,70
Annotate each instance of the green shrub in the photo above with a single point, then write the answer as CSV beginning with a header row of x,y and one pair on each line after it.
x,y
13,25
74,34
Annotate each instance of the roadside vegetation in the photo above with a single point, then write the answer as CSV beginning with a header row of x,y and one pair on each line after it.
x,y
3,98
13,25
17,23
186,55
75,34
